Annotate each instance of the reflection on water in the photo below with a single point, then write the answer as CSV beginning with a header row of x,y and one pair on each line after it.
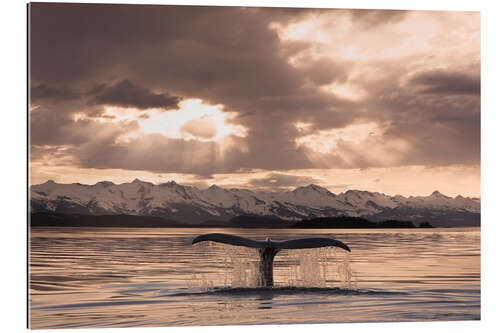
x,y
111,277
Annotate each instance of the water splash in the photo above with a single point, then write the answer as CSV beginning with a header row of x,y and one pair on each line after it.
x,y
304,268
243,268
318,268
345,275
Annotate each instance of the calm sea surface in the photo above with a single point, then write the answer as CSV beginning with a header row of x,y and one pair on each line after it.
x,y
114,277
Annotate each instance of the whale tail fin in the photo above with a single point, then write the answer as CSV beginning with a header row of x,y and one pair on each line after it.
x,y
309,243
230,239
301,243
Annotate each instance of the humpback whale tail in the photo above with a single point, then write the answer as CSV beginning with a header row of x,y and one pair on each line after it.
x,y
269,248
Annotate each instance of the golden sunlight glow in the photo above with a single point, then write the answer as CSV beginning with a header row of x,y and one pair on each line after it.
x,y
312,29
346,90
81,116
336,36
303,127
194,120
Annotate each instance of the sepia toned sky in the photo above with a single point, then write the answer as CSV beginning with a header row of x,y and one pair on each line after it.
x,y
262,98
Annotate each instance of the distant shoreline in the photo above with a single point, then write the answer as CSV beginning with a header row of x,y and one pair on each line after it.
x,y
245,222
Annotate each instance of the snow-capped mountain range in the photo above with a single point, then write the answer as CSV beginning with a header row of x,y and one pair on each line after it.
x,y
192,205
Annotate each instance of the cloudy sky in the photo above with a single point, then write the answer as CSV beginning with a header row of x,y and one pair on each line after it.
x,y
262,98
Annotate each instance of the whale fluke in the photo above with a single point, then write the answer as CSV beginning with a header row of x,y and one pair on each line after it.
x,y
268,249
300,243
309,243
230,239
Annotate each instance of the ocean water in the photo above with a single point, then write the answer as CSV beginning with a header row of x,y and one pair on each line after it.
x,y
124,277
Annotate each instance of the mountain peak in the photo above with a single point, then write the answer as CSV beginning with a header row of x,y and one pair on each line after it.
x,y
309,187
313,188
140,182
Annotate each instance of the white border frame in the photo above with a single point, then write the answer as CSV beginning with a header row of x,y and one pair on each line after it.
x,y
14,166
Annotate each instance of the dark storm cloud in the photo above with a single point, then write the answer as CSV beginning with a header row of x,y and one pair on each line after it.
x,y
52,125
228,56
442,143
126,94
45,92
440,128
324,71
222,55
448,82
